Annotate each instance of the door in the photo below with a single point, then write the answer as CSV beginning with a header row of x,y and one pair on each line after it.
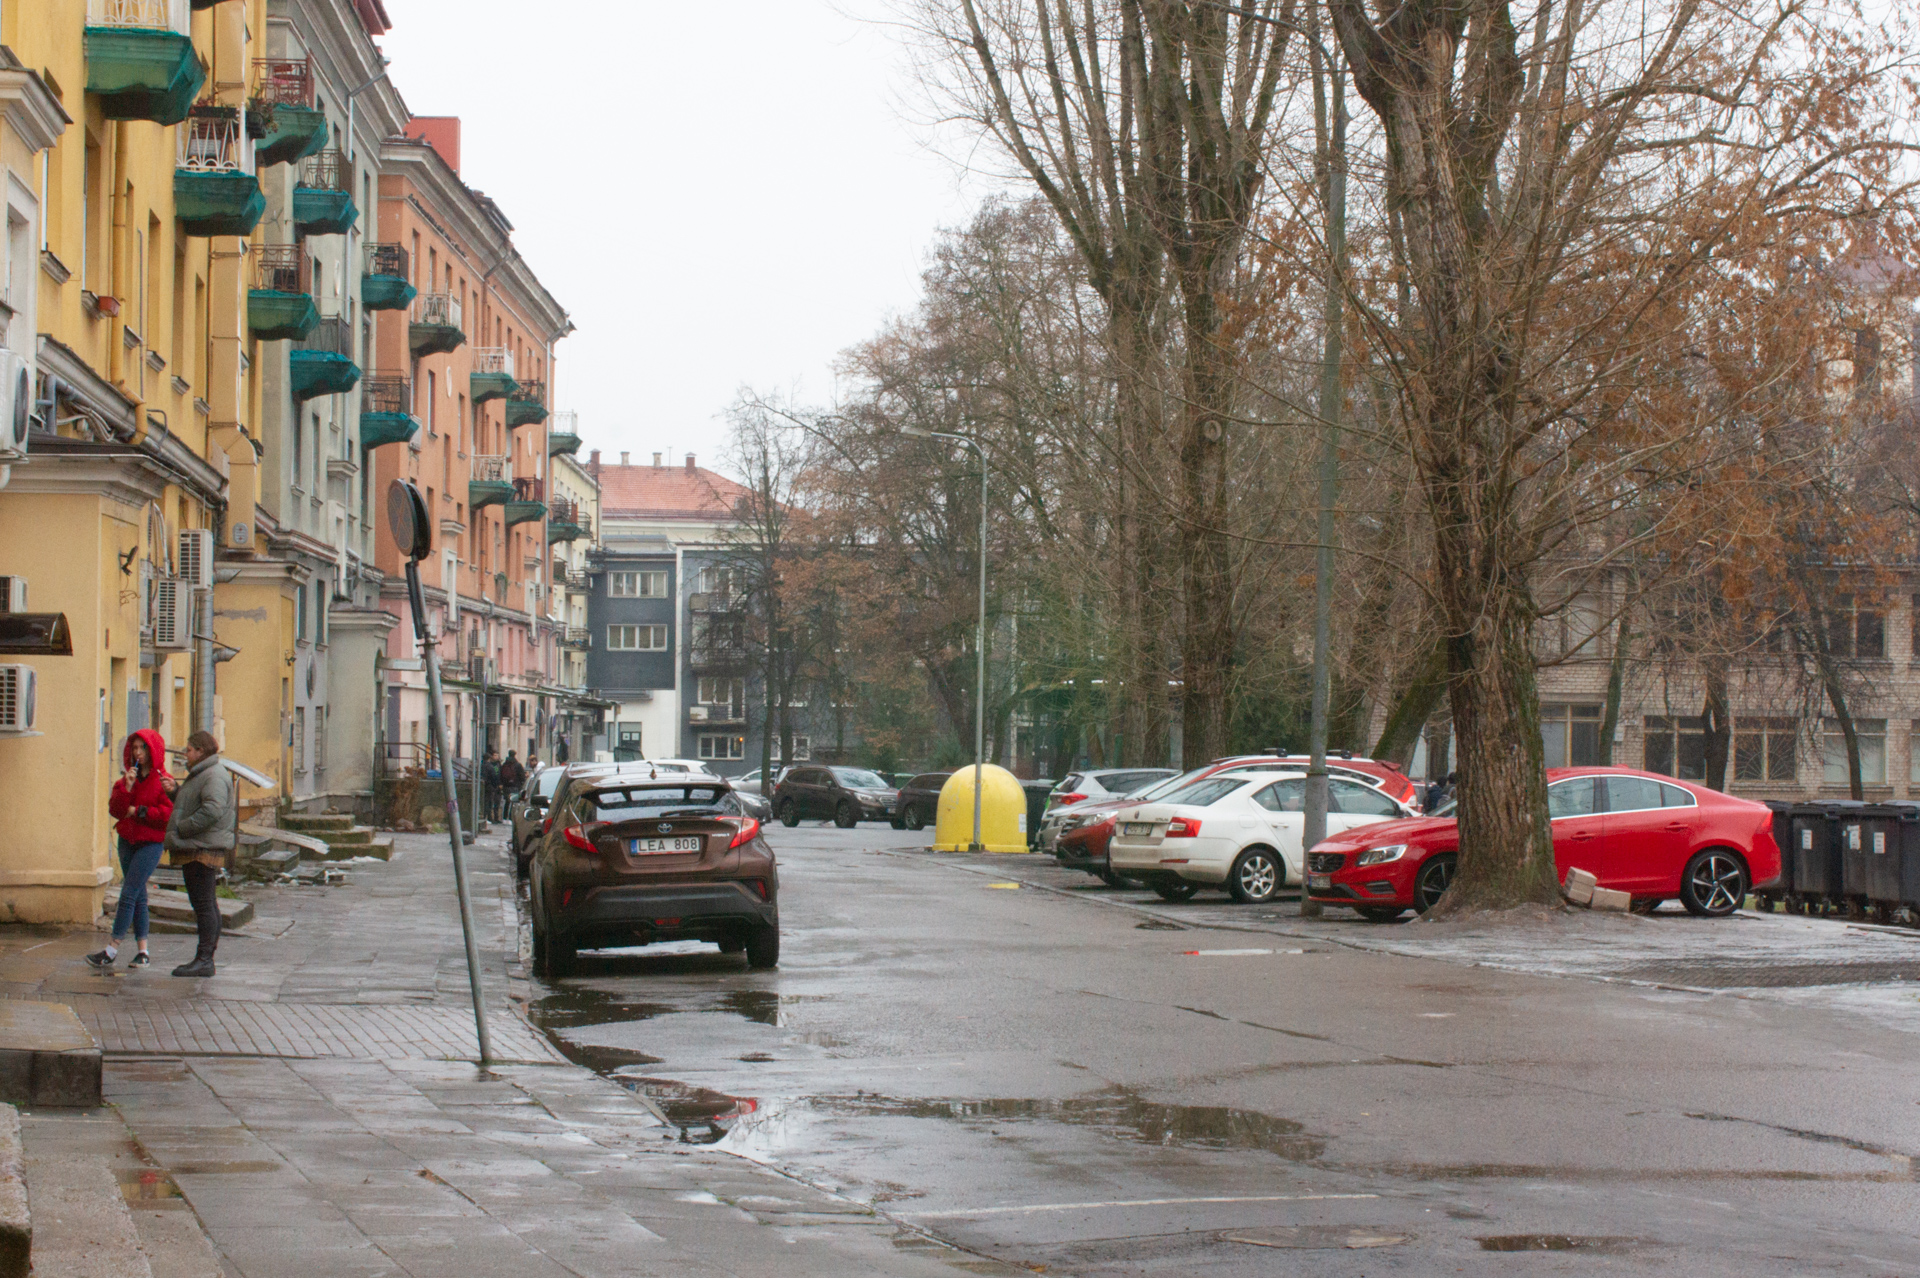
x,y
1349,804
1573,809
1649,832
1283,807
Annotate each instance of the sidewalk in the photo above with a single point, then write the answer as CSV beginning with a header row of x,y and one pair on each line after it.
x,y
316,1107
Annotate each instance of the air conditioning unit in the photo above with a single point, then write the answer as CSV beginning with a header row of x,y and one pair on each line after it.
x,y
196,556
697,714
172,615
16,698
13,594
16,404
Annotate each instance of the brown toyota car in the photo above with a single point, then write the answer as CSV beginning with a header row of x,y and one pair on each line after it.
x,y
631,856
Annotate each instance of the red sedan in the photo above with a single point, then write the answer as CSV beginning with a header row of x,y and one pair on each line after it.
x,y
1649,836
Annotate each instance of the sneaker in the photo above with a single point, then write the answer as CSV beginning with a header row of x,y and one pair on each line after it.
x,y
101,959
142,959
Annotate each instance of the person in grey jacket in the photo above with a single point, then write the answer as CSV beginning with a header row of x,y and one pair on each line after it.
x,y
201,835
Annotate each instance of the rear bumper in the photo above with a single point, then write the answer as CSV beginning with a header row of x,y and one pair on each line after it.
x,y
623,915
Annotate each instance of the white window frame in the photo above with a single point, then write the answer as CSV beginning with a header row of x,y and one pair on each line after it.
x,y
733,747
1872,734
707,684
802,748
637,583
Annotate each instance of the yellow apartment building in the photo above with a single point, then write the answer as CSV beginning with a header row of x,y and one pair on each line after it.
x,y
131,203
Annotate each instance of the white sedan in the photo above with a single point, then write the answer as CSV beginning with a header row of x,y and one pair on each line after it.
x,y
1236,830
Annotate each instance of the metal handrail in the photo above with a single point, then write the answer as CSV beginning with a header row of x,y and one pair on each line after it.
x,y
214,140
327,171
564,421
283,268
153,15
387,259
530,392
283,81
331,336
437,308
563,510
492,469
386,393
493,359
529,490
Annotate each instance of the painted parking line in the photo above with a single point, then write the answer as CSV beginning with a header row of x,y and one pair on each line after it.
x,y
1014,886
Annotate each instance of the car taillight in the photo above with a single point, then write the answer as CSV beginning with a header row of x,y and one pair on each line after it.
x,y
578,836
1064,799
1183,828
546,826
749,827
759,887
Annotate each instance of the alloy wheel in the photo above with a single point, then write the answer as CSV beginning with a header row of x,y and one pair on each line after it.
x,y
1254,876
1433,883
1716,883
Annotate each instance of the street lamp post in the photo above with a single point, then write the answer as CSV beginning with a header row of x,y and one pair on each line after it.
x,y
980,633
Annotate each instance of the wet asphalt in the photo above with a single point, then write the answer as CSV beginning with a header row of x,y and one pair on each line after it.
x,y
1051,1079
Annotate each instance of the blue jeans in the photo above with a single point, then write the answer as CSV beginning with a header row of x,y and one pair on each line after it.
x,y
137,864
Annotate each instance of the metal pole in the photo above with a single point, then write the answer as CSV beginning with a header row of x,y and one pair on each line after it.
x,y
479,751
980,660
437,723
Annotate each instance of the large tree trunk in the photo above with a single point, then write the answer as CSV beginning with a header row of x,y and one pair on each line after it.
x,y
1716,716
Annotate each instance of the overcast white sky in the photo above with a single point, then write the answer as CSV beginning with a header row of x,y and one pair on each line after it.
x,y
719,195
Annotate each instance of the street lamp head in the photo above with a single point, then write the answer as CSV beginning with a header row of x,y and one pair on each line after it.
x,y
918,432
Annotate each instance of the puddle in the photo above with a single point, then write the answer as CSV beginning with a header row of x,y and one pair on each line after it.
x,y
1600,1245
148,1188
704,1116
1160,925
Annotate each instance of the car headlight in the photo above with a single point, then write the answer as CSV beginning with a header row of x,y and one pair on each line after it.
x,y
1380,856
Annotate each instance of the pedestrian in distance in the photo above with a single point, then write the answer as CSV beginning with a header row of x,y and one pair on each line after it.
x,y
141,806
512,777
490,783
200,839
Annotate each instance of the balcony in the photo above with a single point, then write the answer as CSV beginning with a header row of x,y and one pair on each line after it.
x,y
283,101
491,483
527,405
214,189
565,522
563,436
383,284
717,714
322,364
492,376
712,601
529,502
280,304
577,639
386,411
717,656
140,59
323,195
434,327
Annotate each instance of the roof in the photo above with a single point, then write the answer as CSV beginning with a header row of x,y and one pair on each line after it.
x,y
666,492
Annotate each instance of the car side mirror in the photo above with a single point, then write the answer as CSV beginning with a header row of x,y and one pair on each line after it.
x,y
537,803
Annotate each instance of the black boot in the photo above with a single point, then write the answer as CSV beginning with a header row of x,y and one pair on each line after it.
x,y
202,965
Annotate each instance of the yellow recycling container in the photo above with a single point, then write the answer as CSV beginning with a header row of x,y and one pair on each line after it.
x,y
1003,812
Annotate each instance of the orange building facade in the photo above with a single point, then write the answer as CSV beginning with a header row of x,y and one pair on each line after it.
x,y
474,357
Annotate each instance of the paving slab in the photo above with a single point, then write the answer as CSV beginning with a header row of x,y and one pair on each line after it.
x,y
47,1056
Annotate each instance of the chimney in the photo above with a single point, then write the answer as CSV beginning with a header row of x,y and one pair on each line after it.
x,y
593,464
656,460
690,466
623,458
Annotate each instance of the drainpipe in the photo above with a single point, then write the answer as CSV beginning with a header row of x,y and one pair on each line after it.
x,y
117,259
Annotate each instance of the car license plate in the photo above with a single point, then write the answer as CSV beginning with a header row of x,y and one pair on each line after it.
x,y
1139,827
643,846
1319,880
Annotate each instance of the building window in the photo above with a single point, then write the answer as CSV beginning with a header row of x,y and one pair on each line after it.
x,y
722,692
718,746
299,742
717,581
1853,631
1763,749
637,638
1872,735
637,585
1571,735
802,749
1677,746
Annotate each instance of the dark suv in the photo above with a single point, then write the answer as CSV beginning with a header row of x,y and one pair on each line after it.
x,y
919,801
631,857
848,795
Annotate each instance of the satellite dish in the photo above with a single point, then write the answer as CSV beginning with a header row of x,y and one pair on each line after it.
x,y
407,517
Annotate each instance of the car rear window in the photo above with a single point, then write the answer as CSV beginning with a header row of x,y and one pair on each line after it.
x,y
1068,784
928,781
1203,794
639,802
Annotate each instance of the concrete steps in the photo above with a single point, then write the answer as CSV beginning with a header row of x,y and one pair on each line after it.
x,y
332,836
164,905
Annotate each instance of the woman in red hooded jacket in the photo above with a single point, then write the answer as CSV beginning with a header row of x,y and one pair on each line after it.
x,y
142,805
